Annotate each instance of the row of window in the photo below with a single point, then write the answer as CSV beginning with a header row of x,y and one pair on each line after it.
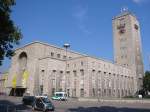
x,y
109,67
93,73
124,57
59,56
75,64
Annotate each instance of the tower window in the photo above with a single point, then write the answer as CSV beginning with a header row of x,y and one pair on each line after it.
x,y
121,26
121,31
123,39
121,19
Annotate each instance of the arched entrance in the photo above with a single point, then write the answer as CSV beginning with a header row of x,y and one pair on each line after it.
x,y
21,79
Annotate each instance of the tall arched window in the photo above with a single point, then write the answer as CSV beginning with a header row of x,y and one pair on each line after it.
x,y
23,61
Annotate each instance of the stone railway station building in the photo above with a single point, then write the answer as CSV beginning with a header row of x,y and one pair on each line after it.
x,y
40,68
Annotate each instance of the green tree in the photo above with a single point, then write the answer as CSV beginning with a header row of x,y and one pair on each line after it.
x,y
146,81
10,34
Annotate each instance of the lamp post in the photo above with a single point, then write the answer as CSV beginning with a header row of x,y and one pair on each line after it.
x,y
66,46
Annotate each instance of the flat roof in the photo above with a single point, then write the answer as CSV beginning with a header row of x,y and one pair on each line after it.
x,y
124,14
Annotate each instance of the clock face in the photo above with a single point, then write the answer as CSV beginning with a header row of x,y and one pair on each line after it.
x,y
121,28
136,26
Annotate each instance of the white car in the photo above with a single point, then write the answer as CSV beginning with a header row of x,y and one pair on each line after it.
x,y
59,96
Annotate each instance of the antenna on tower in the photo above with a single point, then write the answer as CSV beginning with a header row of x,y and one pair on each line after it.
x,y
124,9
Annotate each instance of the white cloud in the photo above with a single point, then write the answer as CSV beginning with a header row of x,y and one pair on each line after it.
x,y
138,1
84,29
80,14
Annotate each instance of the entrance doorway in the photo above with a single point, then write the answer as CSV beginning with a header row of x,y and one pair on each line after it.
x,y
17,91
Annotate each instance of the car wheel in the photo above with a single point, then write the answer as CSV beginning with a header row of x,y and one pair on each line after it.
x,y
48,110
33,108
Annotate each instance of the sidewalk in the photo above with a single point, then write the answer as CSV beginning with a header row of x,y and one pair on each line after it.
x,y
119,100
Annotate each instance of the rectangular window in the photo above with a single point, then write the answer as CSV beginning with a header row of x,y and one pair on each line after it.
x,y
123,39
53,91
74,92
82,92
74,73
81,63
82,72
67,65
123,48
41,89
58,55
53,82
64,57
52,54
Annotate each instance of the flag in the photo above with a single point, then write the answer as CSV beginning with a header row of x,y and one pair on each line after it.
x,y
14,81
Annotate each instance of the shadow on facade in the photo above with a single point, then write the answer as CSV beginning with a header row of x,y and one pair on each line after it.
x,y
106,109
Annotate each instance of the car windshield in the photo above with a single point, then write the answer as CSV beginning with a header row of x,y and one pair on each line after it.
x,y
46,100
59,95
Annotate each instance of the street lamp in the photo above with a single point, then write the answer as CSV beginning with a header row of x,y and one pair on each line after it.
x,y
66,46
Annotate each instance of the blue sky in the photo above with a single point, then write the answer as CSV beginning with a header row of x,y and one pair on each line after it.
x,y
85,24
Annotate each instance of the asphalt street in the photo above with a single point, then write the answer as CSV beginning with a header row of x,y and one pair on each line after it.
x,y
14,104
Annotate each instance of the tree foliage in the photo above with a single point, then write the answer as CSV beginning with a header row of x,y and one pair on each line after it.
x,y
146,81
9,33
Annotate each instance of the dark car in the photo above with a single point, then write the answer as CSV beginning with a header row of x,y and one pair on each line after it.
x,y
28,100
43,104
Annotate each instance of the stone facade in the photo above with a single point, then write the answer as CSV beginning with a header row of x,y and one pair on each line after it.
x,y
3,81
40,68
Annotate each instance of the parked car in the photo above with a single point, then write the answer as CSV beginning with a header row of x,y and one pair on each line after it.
x,y
28,100
43,104
59,96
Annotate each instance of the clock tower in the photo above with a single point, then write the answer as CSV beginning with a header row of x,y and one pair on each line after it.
x,y
127,45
